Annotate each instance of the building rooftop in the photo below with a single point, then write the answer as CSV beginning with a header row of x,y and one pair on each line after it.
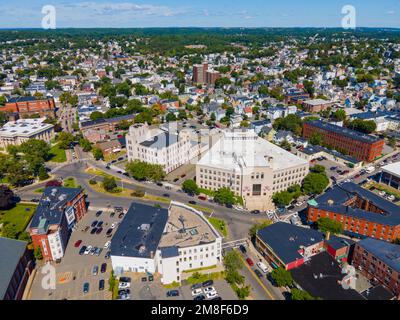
x,y
378,293
316,102
237,150
186,227
344,131
333,201
327,287
311,149
24,127
387,252
140,232
51,206
11,252
286,240
393,169
162,140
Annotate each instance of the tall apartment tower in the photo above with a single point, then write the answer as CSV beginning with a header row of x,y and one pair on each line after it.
x,y
200,73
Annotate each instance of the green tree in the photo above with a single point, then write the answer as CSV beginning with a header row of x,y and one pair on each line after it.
x,y
65,139
190,186
297,294
85,145
315,183
339,115
282,199
258,226
38,253
316,139
232,261
97,154
225,196
109,184
170,117
329,225
282,277
42,174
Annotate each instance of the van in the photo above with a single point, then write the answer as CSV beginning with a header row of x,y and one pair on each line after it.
x,y
263,267
370,169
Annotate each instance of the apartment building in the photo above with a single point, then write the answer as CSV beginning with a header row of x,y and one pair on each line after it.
x,y
361,146
58,212
168,148
202,75
18,132
167,241
379,261
30,105
251,167
361,212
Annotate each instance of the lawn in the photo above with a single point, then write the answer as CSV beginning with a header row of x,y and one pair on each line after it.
x,y
114,156
57,155
19,216
220,225
97,172
70,183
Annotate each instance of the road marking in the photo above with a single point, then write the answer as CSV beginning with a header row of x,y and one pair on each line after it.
x,y
257,278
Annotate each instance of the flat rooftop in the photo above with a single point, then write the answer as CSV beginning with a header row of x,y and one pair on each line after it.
x,y
162,140
286,240
393,169
317,102
245,149
186,228
344,131
24,127
387,252
327,287
140,232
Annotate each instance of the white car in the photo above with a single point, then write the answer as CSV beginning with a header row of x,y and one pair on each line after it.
x,y
114,225
107,244
382,193
87,251
196,292
210,290
391,198
124,285
211,295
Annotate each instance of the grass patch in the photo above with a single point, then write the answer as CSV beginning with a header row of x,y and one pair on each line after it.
x,y
200,208
382,187
118,192
156,199
57,154
173,285
70,183
114,156
200,278
19,216
41,190
199,269
97,172
220,225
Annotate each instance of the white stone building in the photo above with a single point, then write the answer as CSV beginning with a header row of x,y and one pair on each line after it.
x,y
17,132
251,167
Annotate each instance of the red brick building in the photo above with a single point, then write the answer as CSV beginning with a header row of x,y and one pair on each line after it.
x,y
29,106
59,210
361,146
361,212
380,262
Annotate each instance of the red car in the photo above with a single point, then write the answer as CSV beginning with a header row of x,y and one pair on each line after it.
x,y
250,262
78,243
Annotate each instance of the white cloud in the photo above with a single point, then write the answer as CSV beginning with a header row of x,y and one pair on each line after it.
x,y
391,12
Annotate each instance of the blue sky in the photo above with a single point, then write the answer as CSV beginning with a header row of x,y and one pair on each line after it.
x,y
203,13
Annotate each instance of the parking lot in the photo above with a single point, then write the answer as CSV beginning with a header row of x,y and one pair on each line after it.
x,y
75,270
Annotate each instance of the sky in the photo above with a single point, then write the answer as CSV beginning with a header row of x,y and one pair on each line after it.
x,y
195,13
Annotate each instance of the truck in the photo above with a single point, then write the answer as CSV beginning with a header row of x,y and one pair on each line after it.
x,y
370,169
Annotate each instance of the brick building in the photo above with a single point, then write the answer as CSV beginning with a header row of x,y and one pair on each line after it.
x,y
361,146
58,212
379,261
361,212
16,265
26,106
317,105
202,75
103,125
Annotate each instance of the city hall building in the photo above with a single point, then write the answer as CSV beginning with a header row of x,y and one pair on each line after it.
x,y
251,167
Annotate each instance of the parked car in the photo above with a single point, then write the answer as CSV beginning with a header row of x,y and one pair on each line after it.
x,y
125,279
121,215
94,230
88,249
250,262
192,202
101,285
94,224
98,252
99,213
100,224
124,285
200,297
258,273
109,232
114,225
108,255
85,287
255,212
99,230
243,249
93,250
166,195
103,267
202,198
173,293
208,283
210,290
78,243
196,292
107,245
211,295
82,251
196,286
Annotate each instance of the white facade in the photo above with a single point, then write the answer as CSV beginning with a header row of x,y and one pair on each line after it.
x,y
251,167
18,132
56,245
170,150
